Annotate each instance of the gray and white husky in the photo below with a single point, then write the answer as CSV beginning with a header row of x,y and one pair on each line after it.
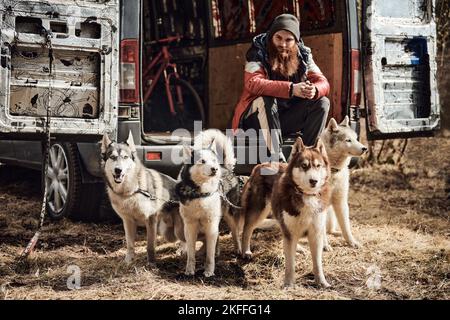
x,y
207,190
140,196
341,143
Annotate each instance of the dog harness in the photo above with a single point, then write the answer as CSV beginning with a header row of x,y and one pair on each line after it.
x,y
138,191
145,193
188,191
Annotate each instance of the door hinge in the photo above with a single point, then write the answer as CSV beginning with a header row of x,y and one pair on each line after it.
x,y
5,59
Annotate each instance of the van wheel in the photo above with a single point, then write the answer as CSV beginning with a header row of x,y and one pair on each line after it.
x,y
67,196
61,181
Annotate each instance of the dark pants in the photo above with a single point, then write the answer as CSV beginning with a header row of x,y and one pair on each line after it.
x,y
306,116
302,116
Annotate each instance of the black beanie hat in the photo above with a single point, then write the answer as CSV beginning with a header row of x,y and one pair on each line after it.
x,y
286,22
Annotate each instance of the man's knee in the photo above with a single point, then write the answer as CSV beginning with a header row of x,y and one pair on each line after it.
x,y
323,104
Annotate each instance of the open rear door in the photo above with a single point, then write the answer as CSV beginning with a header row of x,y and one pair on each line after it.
x,y
58,58
399,56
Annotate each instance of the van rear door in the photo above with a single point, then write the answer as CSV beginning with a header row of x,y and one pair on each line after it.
x,y
399,57
58,58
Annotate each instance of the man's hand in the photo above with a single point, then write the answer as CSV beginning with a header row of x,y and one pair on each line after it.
x,y
304,90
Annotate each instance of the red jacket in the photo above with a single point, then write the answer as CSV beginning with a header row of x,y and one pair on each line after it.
x,y
257,82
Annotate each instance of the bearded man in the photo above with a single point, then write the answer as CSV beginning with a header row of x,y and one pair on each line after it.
x,y
284,90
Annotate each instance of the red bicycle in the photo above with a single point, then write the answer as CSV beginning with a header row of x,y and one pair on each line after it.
x,y
184,102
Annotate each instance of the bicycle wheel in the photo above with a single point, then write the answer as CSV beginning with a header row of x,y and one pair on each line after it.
x,y
190,108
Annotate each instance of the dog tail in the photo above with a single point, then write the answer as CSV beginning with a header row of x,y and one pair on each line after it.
x,y
268,224
223,144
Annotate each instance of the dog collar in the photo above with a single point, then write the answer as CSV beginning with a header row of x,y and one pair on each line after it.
x,y
138,191
311,194
146,194
185,193
300,191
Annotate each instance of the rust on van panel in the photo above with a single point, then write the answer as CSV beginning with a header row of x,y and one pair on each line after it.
x,y
59,57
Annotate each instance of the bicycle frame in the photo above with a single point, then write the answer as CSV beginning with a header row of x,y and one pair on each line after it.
x,y
163,58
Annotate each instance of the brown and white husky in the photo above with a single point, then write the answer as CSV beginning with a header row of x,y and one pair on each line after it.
x,y
298,195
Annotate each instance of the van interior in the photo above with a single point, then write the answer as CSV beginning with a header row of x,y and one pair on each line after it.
x,y
216,35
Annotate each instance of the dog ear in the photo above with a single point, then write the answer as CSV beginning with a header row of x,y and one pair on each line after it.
x,y
130,142
213,146
332,125
106,142
346,122
320,146
298,147
187,151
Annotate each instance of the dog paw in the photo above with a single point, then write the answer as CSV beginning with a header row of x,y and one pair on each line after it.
x,y
202,251
288,286
328,248
355,244
323,284
181,249
129,259
248,255
335,233
301,250
181,252
189,272
209,274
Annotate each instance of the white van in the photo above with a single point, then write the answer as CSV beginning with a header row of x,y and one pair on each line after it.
x,y
80,65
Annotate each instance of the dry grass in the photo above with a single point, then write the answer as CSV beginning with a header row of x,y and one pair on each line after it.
x,y
400,216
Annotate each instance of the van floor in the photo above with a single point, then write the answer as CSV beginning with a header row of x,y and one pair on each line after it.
x,y
401,216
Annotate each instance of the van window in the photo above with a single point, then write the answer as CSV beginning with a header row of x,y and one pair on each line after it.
x,y
417,9
163,19
231,19
317,14
241,20
264,11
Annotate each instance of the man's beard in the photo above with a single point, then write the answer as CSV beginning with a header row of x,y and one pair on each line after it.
x,y
284,63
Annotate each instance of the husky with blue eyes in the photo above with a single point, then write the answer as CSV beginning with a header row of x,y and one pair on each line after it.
x,y
206,191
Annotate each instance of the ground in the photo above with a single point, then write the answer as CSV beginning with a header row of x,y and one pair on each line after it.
x,y
399,214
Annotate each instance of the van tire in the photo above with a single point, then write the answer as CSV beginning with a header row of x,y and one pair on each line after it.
x,y
83,200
